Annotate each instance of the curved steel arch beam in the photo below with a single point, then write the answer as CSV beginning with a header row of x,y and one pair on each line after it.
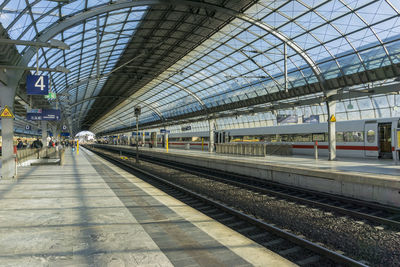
x,y
155,110
70,21
186,90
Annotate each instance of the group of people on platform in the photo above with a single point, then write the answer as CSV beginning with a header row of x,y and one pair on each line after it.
x,y
37,144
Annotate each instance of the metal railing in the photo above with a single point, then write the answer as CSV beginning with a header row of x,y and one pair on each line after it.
x,y
254,149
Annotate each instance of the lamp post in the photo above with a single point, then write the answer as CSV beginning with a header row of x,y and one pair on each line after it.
x,y
137,113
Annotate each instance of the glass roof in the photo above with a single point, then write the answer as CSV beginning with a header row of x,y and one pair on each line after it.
x,y
242,60
112,30
324,40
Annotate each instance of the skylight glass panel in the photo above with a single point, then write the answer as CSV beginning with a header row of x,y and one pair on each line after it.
x,y
92,3
72,7
376,12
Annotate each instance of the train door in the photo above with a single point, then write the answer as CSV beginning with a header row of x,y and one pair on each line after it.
x,y
385,140
370,140
221,137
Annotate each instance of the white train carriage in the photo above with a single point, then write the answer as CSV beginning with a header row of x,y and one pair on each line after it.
x,y
375,138
189,140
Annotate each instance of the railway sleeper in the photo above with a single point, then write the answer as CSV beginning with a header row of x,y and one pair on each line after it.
x,y
309,260
290,251
273,242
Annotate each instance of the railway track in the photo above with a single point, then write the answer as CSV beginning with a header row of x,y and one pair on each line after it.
x,y
373,212
293,247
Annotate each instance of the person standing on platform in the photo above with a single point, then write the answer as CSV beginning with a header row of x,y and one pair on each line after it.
x,y
20,145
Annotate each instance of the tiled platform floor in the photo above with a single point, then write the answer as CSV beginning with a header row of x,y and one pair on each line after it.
x,y
91,213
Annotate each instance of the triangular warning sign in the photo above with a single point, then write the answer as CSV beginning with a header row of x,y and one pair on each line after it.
x,y
333,119
6,113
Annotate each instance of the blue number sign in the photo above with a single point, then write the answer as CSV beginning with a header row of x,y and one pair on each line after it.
x,y
37,85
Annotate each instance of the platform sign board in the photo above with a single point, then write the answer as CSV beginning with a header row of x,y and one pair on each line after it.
x,y
141,134
35,110
311,119
65,134
51,114
33,116
186,128
44,115
37,85
51,96
164,131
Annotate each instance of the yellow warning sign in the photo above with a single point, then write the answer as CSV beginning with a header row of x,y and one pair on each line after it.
x,y
333,119
6,113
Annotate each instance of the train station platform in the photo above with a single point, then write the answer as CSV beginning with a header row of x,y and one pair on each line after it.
x,y
89,212
366,179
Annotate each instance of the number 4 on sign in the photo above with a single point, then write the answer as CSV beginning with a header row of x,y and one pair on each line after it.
x,y
37,85
40,83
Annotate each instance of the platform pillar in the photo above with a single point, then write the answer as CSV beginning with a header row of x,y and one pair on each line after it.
x,y
212,126
166,140
331,107
8,166
44,133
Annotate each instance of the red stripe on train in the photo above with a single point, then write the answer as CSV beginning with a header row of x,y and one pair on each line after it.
x,y
182,144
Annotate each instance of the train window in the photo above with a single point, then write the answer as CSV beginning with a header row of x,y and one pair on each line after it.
x,y
318,137
267,138
371,136
353,137
302,138
236,139
339,137
284,138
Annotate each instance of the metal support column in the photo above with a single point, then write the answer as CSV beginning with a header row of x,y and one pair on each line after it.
x,y
211,123
137,139
98,47
166,140
44,133
138,110
44,136
331,107
285,66
8,166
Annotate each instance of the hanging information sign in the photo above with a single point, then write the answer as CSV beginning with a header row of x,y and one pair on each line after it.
x,y
51,114
30,116
51,96
37,85
44,115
